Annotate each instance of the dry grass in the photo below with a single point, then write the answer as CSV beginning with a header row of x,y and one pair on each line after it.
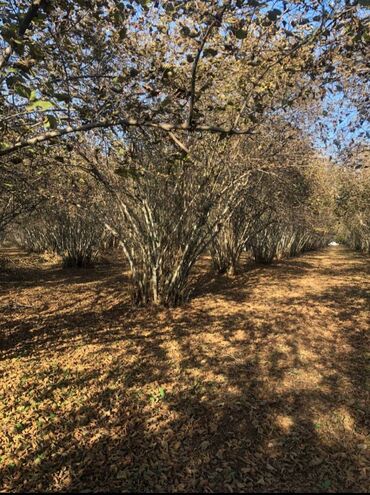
x,y
258,384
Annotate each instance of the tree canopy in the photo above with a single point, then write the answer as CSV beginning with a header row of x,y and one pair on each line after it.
x,y
213,65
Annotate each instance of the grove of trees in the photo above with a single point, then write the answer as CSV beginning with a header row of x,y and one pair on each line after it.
x,y
174,129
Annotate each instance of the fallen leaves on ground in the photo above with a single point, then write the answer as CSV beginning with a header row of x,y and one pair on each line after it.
x,y
258,384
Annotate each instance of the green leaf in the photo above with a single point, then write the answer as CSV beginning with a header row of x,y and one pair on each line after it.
x,y
39,459
22,90
241,34
41,104
325,485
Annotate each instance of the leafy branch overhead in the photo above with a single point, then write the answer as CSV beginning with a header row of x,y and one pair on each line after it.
x,y
178,66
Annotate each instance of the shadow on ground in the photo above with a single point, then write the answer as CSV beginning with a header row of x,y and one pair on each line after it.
x,y
258,384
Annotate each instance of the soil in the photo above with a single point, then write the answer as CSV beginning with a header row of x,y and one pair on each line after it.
x,y
259,384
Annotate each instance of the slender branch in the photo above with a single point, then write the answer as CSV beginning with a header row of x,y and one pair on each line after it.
x,y
216,20
194,72
178,142
167,127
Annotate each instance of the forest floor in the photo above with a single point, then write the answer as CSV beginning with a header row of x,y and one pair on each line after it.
x,y
259,383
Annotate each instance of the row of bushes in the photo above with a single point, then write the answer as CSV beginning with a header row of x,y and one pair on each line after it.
x,y
76,238
79,239
270,196
353,209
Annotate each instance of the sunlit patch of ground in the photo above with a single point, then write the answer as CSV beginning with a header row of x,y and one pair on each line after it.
x,y
260,383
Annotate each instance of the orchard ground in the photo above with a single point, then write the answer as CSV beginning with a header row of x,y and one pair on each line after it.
x,y
259,383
